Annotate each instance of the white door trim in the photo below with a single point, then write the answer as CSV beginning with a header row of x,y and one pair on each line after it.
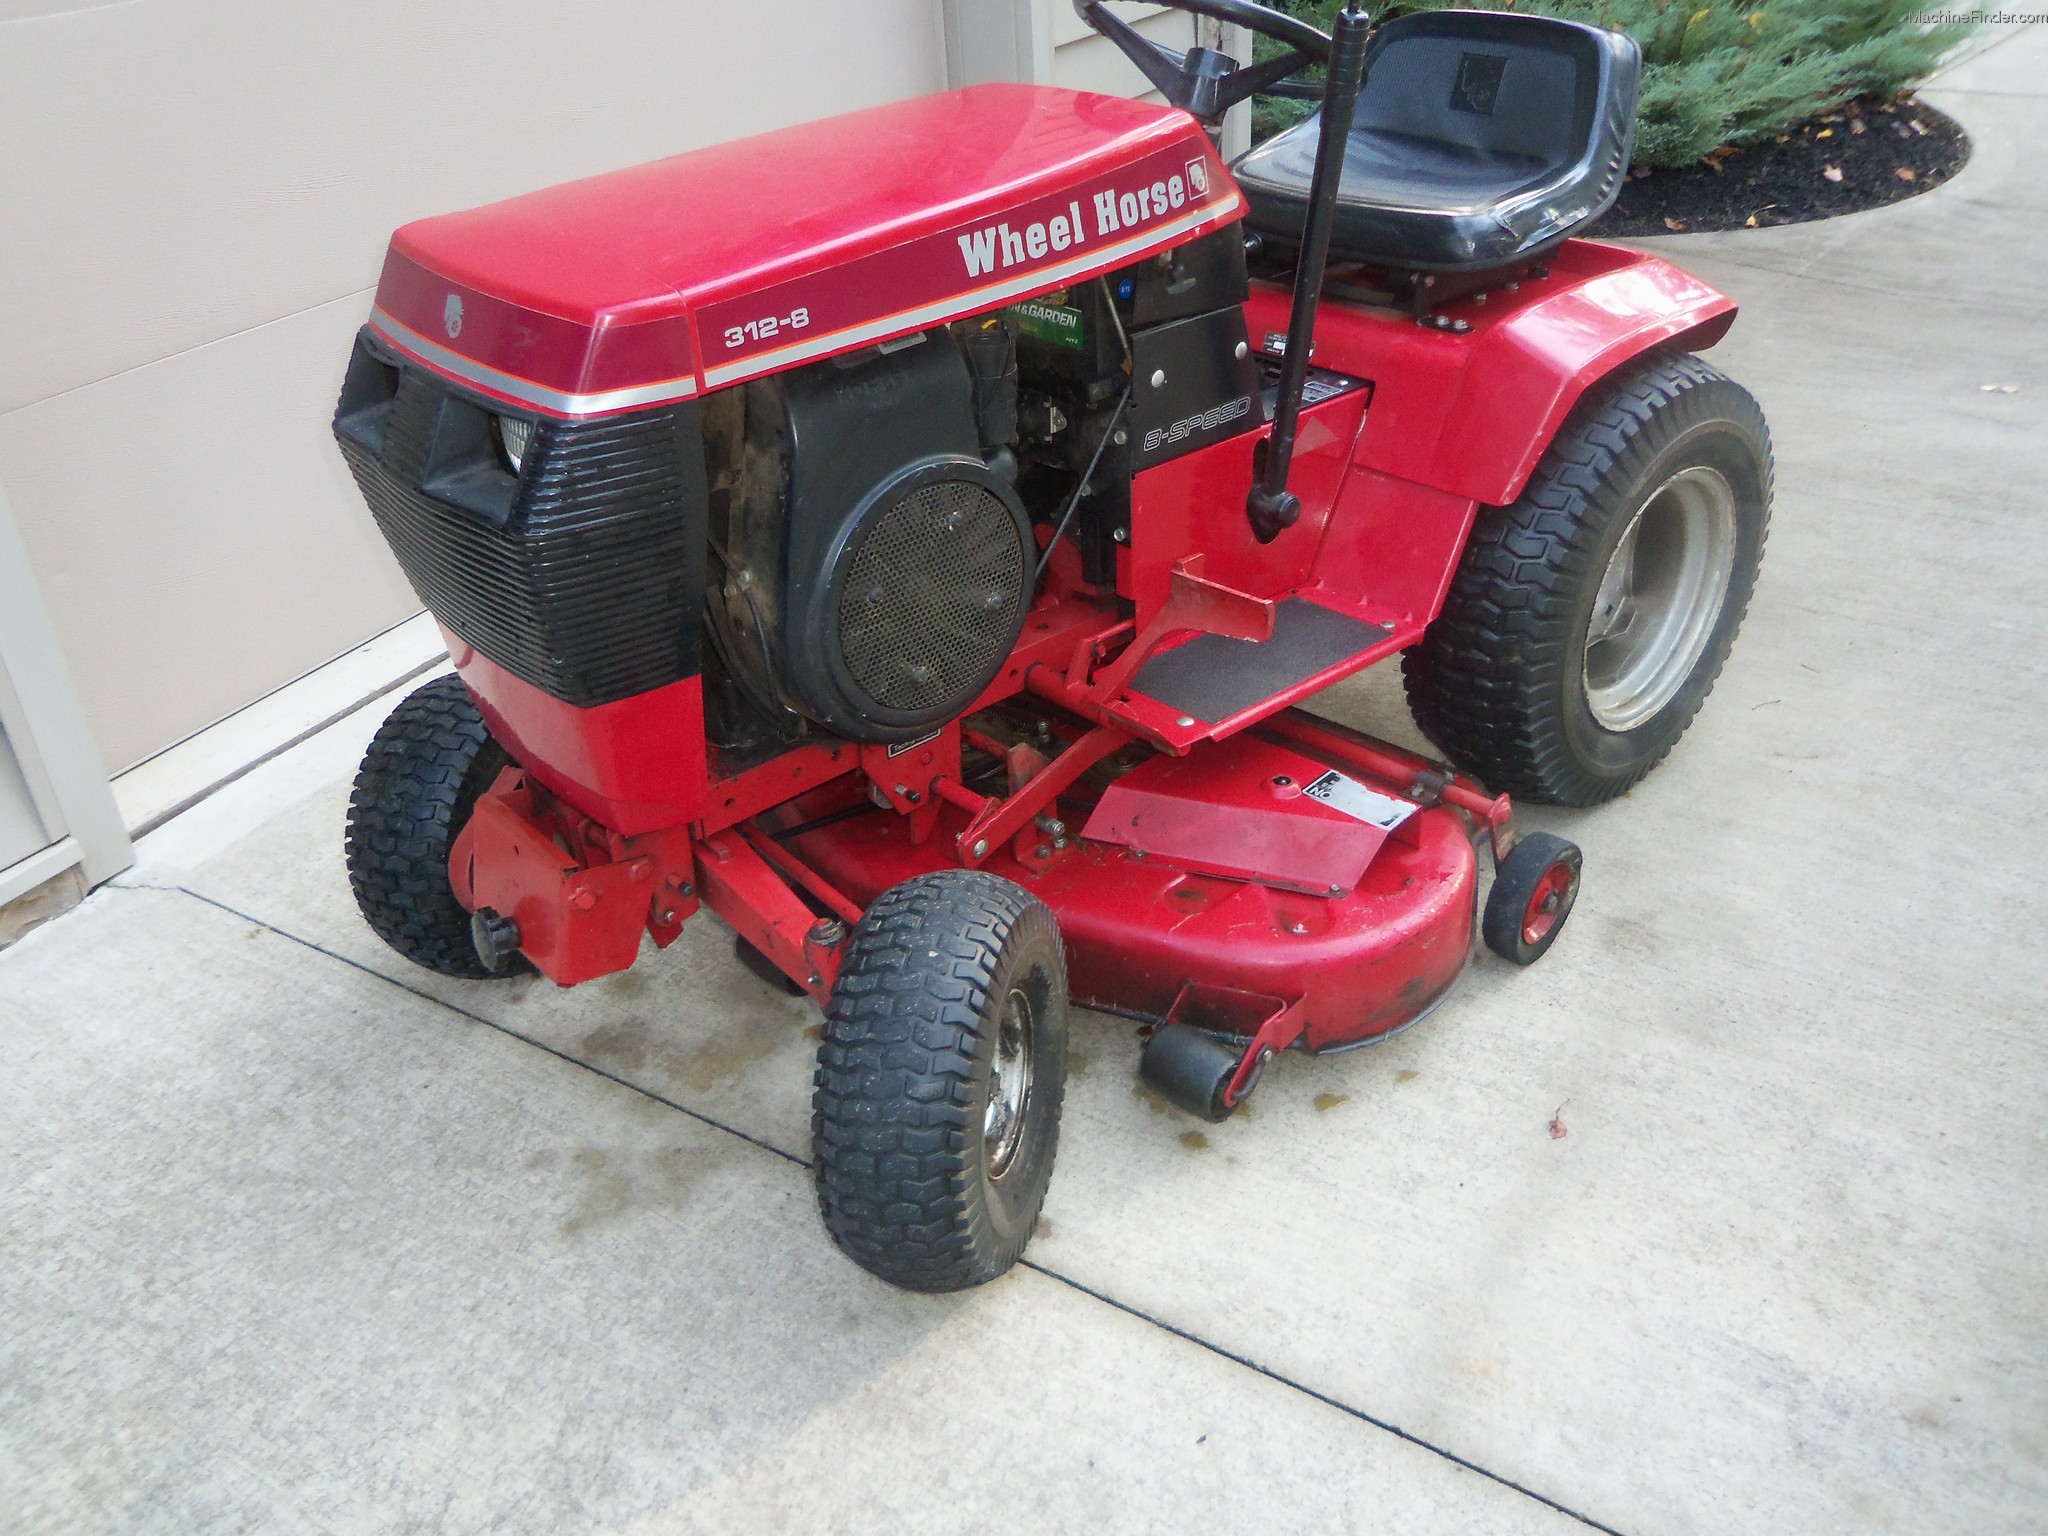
x,y
49,736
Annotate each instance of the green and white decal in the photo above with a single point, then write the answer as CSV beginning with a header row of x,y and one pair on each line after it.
x,y
1056,323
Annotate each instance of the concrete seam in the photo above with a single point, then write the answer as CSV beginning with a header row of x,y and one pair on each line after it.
x,y
1383,1425
1322,1397
460,1012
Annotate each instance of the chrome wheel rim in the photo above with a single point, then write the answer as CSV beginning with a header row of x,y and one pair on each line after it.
x,y
1009,1085
1660,598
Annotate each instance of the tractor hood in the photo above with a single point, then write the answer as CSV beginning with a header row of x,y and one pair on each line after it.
x,y
656,283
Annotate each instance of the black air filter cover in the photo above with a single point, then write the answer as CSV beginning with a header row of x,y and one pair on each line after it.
x,y
923,597
907,563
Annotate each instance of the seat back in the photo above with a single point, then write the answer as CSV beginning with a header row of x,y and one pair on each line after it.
x,y
1528,92
1480,140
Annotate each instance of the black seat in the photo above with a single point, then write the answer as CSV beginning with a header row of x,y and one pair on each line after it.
x,y
1481,140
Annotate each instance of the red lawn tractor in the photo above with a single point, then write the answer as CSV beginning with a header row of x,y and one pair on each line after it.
x,y
914,536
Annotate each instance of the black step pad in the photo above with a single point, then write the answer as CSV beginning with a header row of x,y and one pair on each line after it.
x,y
1213,677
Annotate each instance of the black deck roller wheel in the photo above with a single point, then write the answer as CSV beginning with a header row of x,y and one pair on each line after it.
x,y
749,955
1532,895
419,782
1192,1070
1587,622
936,1106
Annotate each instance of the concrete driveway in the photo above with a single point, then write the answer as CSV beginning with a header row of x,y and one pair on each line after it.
x,y
296,1237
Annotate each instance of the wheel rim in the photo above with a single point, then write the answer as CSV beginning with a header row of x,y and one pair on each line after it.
x,y
1660,598
1546,902
1009,1085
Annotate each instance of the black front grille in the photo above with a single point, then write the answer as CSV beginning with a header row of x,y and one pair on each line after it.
x,y
583,575
933,594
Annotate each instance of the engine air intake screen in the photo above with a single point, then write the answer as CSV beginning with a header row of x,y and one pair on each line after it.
x,y
933,593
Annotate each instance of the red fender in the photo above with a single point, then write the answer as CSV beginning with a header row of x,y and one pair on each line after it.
x,y
1470,413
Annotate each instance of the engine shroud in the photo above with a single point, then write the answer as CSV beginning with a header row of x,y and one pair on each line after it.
x,y
879,570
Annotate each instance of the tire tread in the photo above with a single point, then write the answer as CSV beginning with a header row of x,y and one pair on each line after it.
x,y
422,773
894,1090
1486,682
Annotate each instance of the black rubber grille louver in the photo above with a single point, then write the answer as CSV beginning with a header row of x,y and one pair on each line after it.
x,y
932,597
583,576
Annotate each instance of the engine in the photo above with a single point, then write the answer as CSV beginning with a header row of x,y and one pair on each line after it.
x,y
876,520
870,568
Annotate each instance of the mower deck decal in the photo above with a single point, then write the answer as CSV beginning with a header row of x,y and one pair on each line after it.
x,y
1355,799
1094,259
1213,677
524,391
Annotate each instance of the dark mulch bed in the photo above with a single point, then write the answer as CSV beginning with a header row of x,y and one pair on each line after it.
x,y
1855,157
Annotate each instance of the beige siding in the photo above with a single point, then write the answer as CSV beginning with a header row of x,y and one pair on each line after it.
x,y
1086,61
196,196
1083,60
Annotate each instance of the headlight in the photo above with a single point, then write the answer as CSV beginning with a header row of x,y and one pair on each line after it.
x,y
513,436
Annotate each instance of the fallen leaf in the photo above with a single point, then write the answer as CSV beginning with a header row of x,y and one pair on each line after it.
x,y
1329,1101
1856,125
1557,1130
1750,222
1674,225
1832,173
1825,133
1784,138
1906,173
1917,126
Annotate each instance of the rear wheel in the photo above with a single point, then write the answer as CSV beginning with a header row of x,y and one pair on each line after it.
x,y
1588,621
419,782
936,1110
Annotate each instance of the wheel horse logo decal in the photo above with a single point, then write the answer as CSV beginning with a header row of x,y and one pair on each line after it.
x,y
1477,87
1198,177
451,316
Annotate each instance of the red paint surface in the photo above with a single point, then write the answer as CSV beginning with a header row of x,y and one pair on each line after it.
x,y
761,908
1391,548
1237,810
1470,415
1138,929
633,278
1195,505
634,765
582,904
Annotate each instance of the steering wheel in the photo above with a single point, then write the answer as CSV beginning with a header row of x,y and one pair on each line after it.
x,y
1202,81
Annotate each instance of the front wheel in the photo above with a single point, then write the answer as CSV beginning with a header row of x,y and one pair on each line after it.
x,y
420,780
936,1105
1588,621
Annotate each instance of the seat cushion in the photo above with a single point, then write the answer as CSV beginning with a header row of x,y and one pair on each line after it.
x,y
1480,139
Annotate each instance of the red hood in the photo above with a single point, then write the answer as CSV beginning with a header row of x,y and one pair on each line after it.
x,y
691,273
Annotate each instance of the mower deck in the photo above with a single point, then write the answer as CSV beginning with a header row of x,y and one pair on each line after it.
x,y
1218,896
